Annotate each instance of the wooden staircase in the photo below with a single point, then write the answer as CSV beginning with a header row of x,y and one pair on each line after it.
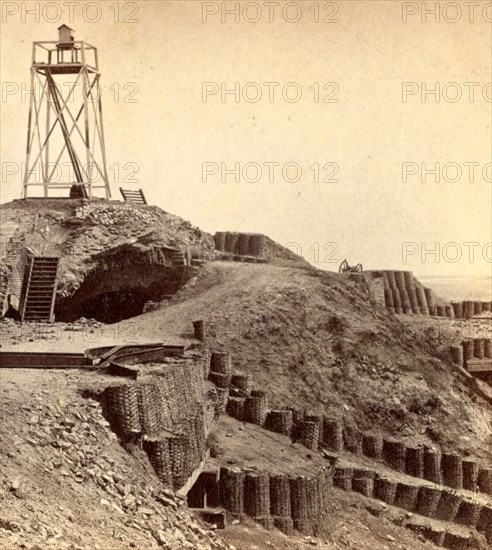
x,y
39,289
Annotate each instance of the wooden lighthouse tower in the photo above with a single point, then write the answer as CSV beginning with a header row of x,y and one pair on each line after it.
x,y
65,135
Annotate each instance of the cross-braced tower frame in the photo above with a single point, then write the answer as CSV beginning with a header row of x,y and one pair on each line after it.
x,y
65,136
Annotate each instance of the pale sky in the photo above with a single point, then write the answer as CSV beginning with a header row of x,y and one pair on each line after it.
x,y
170,131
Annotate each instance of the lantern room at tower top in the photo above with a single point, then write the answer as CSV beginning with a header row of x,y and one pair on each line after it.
x,y
66,55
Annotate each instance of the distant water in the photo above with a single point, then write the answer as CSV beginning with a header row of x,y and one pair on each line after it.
x,y
460,288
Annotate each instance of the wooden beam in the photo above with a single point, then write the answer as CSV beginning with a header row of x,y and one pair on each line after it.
x,y
479,365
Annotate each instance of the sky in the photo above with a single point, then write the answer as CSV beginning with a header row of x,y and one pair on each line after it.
x,y
312,122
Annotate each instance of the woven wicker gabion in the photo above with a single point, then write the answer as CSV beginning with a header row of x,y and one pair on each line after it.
x,y
484,480
484,522
313,500
449,310
149,409
199,330
221,362
448,506
120,404
452,470
406,496
298,498
428,500
414,462
231,490
390,277
468,350
432,465
219,379
422,301
394,454
235,407
477,308
430,297
456,541
257,494
470,475
342,478
280,496
256,245
457,355
487,349
397,300
458,309
256,408
479,347
364,486
179,451
280,421
219,239
412,294
222,400
159,457
205,362
332,434
385,490
243,382
372,446
308,433
325,482
468,513
388,299
344,483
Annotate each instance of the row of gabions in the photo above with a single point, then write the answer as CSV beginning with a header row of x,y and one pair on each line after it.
x,y
429,463
429,501
404,294
318,432
172,410
294,501
249,405
471,348
277,500
242,244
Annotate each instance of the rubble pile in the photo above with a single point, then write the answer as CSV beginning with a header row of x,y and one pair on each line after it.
x,y
79,469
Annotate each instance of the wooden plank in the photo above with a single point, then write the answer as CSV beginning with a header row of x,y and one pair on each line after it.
x,y
113,351
479,365
40,360
149,355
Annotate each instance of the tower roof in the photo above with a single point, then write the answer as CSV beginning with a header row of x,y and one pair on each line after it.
x,y
65,27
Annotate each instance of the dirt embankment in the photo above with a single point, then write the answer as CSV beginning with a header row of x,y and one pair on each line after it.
x,y
67,483
313,339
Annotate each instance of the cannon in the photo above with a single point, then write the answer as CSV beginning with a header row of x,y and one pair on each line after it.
x,y
346,268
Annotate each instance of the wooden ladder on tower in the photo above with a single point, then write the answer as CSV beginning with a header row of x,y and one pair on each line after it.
x,y
39,289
